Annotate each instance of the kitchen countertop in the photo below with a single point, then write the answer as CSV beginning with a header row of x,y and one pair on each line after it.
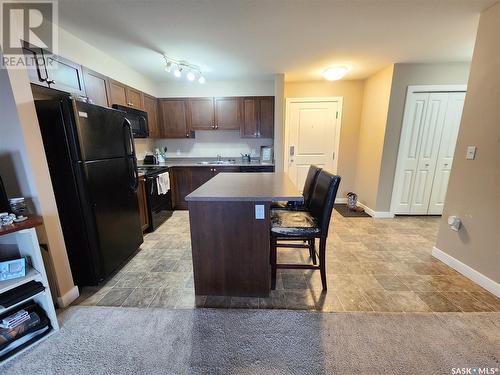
x,y
259,187
197,162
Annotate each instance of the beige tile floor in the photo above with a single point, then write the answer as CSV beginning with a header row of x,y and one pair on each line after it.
x,y
380,265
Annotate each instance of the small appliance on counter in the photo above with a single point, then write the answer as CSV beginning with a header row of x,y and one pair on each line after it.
x,y
150,160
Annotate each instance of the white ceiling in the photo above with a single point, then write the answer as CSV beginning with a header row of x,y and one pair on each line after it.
x,y
254,39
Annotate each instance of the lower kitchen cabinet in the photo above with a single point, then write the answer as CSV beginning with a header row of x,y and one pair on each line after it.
x,y
143,206
185,180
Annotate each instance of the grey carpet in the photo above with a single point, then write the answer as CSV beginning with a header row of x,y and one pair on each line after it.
x,y
342,209
106,340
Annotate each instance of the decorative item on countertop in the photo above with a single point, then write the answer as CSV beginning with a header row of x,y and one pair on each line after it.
x,y
161,155
352,201
6,218
266,154
12,269
245,158
18,206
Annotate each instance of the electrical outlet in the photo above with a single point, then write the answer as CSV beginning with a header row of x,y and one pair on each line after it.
x,y
471,153
259,212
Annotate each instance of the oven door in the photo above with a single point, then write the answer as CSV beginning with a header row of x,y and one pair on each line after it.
x,y
159,205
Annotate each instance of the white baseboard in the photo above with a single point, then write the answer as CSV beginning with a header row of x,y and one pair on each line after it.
x,y
470,273
376,214
340,200
66,299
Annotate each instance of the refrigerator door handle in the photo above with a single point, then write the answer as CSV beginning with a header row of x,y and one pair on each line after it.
x,y
127,124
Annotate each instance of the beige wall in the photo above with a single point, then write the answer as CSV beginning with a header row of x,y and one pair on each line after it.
x,y
352,93
404,76
474,187
279,120
371,135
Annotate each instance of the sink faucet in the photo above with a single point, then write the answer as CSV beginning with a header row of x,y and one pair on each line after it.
x,y
219,158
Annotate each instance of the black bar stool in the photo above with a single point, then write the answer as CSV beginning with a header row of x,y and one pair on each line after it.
x,y
312,176
292,225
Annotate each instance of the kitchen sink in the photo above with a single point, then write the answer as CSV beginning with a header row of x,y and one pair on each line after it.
x,y
219,162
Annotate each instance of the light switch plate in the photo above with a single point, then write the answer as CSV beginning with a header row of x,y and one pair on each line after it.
x,y
259,212
471,153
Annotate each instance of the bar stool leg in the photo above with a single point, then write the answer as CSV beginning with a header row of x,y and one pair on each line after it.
x,y
322,261
273,259
312,250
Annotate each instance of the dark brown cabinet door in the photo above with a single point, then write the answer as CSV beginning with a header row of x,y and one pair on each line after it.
x,y
96,86
266,120
173,119
258,117
201,113
250,124
151,108
141,199
200,175
117,93
181,187
135,98
65,75
227,113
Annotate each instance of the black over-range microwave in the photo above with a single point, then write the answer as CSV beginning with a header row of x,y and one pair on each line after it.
x,y
138,119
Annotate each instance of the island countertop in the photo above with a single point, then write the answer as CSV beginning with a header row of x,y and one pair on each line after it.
x,y
258,187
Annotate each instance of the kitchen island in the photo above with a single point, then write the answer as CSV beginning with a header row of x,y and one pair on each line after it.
x,y
230,231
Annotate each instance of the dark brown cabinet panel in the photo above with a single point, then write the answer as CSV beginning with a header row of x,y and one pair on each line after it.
x,y
250,123
201,113
258,117
117,93
173,118
200,175
151,108
181,186
143,208
96,86
227,113
135,98
35,59
266,125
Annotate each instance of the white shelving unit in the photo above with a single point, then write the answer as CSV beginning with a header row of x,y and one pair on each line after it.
x,y
24,243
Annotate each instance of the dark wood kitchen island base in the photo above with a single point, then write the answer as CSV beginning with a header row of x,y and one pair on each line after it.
x,y
230,249
230,232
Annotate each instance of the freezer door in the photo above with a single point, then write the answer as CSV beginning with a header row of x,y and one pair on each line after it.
x,y
115,209
101,133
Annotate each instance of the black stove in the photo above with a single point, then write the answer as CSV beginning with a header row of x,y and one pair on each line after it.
x,y
159,205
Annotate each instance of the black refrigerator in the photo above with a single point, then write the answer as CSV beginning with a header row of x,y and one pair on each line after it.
x,y
93,168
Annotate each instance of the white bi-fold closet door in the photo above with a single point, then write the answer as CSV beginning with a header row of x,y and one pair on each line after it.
x,y
430,128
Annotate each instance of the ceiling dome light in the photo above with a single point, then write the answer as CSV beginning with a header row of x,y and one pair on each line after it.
x,y
177,72
201,80
335,73
190,76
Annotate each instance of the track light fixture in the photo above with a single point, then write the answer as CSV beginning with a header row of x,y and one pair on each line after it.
x,y
178,67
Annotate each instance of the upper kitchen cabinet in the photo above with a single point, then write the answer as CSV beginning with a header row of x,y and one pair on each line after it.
x,y
117,93
258,117
96,86
228,113
54,71
173,118
135,98
201,113
151,107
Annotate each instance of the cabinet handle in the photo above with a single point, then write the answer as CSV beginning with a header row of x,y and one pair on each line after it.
x,y
255,134
216,126
258,133
50,81
130,104
187,135
213,126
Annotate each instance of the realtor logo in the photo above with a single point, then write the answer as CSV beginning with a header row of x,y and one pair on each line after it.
x,y
32,22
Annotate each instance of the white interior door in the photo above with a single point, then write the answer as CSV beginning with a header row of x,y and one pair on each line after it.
x,y
409,148
429,149
313,136
446,151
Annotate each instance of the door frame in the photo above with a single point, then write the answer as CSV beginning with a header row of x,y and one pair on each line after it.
x,y
286,148
415,89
